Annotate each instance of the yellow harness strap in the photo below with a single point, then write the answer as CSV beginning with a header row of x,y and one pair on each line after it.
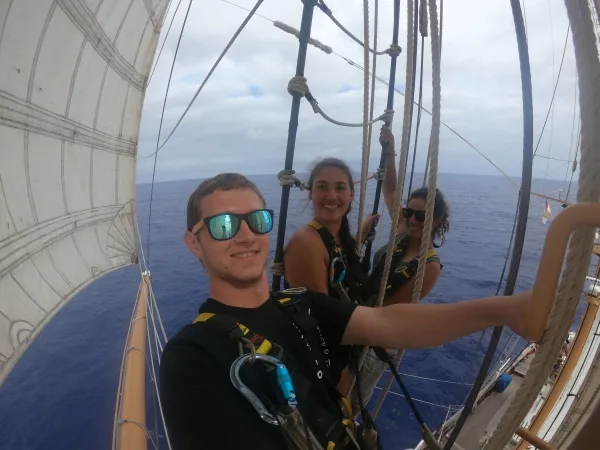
x,y
265,346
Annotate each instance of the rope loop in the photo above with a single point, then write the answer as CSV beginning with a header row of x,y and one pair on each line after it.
x,y
298,86
277,268
394,50
387,116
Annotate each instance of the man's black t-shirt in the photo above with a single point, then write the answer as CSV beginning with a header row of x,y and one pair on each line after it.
x,y
202,408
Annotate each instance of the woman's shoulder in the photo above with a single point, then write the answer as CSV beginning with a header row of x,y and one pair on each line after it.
x,y
305,236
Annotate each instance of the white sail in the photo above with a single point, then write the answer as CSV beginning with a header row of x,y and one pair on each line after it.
x,y
72,80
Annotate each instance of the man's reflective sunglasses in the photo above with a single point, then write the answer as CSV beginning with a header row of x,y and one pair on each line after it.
x,y
224,226
407,213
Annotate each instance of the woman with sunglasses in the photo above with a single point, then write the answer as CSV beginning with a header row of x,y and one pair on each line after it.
x,y
322,255
406,255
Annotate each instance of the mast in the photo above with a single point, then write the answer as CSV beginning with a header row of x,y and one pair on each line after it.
x,y
129,431
585,327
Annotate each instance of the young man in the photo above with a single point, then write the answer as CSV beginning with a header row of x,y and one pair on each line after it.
x,y
228,228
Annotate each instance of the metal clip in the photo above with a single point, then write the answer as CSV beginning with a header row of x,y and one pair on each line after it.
x,y
283,380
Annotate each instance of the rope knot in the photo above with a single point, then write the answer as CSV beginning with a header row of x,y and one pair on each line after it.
x,y
288,178
277,268
394,50
298,86
388,115
380,174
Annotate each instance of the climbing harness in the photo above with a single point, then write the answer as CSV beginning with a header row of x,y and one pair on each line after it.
x,y
305,421
400,275
343,277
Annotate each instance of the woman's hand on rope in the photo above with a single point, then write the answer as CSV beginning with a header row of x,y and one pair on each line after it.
x,y
386,138
369,227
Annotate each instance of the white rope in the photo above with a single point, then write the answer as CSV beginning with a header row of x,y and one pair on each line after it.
x,y
434,147
400,178
155,383
580,244
437,380
417,399
298,85
366,144
314,42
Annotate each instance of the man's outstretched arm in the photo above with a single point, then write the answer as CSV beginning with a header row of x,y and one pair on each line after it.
x,y
413,326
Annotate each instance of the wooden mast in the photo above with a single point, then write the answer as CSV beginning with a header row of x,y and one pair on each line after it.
x,y
129,431
565,374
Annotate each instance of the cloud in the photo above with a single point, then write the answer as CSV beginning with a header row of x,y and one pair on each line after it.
x,y
240,120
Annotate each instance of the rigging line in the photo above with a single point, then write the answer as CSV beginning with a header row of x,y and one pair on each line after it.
x,y
210,72
555,159
323,7
448,127
163,43
303,38
552,102
587,354
574,168
162,116
386,83
155,383
412,92
572,134
416,399
437,380
510,242
554,92
412,170
524,196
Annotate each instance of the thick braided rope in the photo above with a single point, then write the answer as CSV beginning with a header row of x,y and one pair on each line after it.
x,y
429,213
434,147
373,79
580,244
364,167
401,169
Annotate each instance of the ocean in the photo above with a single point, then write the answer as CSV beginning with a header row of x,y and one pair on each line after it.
x,y
61,395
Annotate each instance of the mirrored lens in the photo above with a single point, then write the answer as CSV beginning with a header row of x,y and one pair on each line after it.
x,y
260,222
224,226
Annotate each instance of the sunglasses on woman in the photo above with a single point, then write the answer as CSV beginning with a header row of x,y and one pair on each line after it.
x,y
224,226
407,213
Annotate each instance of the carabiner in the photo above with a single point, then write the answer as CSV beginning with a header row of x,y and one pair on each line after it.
x,y
332,277
283,380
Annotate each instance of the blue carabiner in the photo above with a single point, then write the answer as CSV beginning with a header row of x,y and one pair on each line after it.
x,y
284,382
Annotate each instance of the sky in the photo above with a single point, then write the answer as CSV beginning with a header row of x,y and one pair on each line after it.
x,y
239,122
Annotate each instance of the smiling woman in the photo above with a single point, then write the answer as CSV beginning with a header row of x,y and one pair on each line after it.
x,y
322,255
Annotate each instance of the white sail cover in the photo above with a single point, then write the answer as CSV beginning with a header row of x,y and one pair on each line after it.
x,y
72,80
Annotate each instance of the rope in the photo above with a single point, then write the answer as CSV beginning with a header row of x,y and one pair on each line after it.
x,y
416,399
555,88
163,43
288,178
323,7
314,42
434,147
210,72
162,116
422,23
524,201
298,86
366,144
398,193
572,140
580,248
277,269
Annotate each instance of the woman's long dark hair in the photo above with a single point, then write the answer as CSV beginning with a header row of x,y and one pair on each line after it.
x,y
346,239
441,213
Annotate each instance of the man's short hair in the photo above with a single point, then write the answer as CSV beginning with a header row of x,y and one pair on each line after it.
x,y
221,182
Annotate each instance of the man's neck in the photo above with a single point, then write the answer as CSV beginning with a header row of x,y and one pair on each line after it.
x,y
247,296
